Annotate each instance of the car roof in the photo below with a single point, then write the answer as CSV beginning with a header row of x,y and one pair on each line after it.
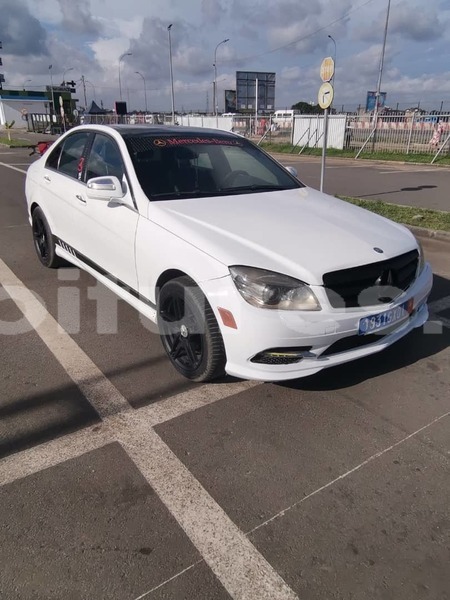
x,y
131,130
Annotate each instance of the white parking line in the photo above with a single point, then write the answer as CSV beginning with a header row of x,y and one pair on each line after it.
x,y
160,585
396,171
281,513
2,164
175,406
98,390
437,307
241,569
50,454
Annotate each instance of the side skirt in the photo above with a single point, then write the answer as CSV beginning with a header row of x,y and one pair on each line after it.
x,y
131,296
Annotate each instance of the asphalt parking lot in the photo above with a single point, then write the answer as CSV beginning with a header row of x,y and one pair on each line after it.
x,y
120,480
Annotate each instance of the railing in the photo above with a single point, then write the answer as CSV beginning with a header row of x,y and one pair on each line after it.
x,y
408,133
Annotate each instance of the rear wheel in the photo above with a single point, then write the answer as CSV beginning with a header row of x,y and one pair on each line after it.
x,y
189,331
43,240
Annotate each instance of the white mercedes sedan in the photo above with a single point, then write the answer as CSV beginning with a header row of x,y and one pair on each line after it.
x,y
244,269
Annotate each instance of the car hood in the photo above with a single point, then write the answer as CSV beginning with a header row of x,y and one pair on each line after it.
x,y
300,232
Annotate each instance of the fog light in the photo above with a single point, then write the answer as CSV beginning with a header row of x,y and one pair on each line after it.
x,y
283,356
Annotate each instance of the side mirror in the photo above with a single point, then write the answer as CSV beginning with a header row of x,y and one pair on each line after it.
x,y
105,188
292,170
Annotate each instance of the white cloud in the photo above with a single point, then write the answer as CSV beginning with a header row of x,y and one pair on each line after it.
x,y
291,73
90,35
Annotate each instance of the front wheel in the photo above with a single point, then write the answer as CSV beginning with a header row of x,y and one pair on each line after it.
x,y
43,240
189,331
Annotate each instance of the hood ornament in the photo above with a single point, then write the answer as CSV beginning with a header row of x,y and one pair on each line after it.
x,y
379,250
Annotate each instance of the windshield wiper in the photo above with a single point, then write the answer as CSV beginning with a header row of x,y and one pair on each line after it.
x,y
254,188
182,194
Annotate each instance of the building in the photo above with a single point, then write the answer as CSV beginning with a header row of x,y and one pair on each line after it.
x,y
19,105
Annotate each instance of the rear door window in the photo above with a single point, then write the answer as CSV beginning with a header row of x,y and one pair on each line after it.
x,y
72,155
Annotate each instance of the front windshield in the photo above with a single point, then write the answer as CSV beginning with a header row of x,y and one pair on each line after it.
x,y
184,166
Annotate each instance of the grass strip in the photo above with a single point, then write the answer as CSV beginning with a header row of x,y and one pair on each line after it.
x,y
14,143
408,215
423,158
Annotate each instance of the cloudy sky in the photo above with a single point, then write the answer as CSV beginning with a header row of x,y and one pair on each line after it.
x,y
289,37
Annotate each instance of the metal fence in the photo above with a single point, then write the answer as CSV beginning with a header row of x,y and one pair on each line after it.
x,y
408,133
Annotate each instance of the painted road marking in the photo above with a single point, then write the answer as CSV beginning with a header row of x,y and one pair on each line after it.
x,y
98,390
52,453
241,569
395,171
160,585
437,307
36,459
2,164
281,513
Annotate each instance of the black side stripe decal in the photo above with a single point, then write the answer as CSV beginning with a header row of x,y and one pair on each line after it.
x,y
87,261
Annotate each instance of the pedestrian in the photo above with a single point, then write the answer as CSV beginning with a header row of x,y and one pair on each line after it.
x,y
438,129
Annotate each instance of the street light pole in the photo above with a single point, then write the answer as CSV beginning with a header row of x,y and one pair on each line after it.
x,y
122,56
334,72
145,88
52,102
64,75
215,100
25,82
380,75
171,73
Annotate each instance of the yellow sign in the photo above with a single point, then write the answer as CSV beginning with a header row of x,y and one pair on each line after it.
x,y
327,69
326,94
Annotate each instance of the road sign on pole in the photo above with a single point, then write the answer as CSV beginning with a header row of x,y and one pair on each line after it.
x,y
327,69
325,98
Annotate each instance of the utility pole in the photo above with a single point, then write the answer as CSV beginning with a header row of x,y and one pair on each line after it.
x,y
84,91
171,73
2,77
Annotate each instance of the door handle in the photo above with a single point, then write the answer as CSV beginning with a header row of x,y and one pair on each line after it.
x,y
80,198
47,178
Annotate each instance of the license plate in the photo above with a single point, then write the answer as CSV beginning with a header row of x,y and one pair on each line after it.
x,y
385,319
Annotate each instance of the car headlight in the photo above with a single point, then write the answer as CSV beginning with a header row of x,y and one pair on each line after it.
x,y
421,261
266,289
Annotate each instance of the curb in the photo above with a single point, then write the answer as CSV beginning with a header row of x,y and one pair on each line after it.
x,y
435,234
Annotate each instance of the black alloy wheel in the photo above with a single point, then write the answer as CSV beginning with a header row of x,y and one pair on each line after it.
x,y
43,240
189,331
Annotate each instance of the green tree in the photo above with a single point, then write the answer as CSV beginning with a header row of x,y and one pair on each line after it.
x,y
307,109
8,127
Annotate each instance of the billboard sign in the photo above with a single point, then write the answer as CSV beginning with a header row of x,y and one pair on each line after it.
x,y
370,101
246,84
121,108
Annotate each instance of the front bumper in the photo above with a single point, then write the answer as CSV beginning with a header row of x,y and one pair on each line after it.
x,y
261,329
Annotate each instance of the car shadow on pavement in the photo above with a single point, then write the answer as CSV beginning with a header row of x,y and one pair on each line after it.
x,y
417,345
417,188
42,417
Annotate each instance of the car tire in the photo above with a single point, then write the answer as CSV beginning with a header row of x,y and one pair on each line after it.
x,y
189,331
43,240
